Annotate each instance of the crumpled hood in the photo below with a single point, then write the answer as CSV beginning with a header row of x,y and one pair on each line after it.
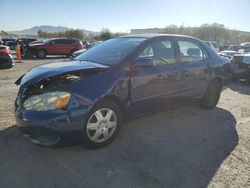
x,y
36,44
52,69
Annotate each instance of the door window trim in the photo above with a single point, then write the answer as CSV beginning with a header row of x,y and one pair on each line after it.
x,y
147,43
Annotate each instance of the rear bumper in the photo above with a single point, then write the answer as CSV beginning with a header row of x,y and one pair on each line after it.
x,y
6,61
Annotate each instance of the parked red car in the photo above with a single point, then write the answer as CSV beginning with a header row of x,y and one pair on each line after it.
x,y
55,47
6,60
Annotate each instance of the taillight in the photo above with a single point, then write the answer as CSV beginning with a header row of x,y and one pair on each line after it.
x,y
5,52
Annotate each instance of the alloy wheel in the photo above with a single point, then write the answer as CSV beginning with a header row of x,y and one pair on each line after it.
x,y
101,125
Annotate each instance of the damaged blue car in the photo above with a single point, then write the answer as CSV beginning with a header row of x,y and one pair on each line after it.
x,y
124,77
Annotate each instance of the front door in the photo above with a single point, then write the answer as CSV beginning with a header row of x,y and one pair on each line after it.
x,y
152,87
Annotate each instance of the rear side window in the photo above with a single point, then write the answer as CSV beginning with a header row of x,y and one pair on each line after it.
x,y
59,41
191,52
161,51
63,41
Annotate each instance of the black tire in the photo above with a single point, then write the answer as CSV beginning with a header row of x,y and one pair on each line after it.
x,y
107,104
212,95
41,53
28,54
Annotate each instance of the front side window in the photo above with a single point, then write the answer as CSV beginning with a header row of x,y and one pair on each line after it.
x,y
191,52
59,41
162,52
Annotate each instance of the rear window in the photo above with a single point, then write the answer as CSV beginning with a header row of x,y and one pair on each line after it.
x,y
214,44
207,43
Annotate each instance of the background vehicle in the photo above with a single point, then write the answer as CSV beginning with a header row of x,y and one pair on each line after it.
x,y
89,45
58,46
246,44
234,47
92,44
228,53
213,45
120,78
241,67
6,40
37,42
6,60
78,52
22,41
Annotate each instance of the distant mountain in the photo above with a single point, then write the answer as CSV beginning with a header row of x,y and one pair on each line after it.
x,y
48,28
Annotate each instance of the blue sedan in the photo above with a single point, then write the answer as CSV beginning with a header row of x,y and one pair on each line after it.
x,y
121,78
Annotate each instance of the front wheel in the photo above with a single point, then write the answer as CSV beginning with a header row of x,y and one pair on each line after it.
x,y
41,54
212,95
102,125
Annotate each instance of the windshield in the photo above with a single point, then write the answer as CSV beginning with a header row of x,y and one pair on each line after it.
x,y
111,51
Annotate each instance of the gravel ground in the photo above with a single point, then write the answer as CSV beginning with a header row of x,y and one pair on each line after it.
x,y
182,147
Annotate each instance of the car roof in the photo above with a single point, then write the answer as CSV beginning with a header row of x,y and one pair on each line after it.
x,y
152,36
62,38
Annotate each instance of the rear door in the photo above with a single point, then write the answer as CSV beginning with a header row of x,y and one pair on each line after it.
x,y
61,46
53,47
154,87
194,67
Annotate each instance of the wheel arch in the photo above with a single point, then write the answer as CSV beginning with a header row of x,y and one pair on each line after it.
x,y
118,101
42,49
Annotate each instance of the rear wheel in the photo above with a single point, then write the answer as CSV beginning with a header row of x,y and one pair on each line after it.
x,y
41,53
102,125
212,95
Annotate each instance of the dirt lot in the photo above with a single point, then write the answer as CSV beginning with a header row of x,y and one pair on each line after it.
x,y
183,147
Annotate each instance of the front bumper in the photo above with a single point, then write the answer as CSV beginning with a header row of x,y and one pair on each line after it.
x,y
49,127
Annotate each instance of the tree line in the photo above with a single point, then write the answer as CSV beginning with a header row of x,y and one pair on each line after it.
x,y
79,34
211,32
73,33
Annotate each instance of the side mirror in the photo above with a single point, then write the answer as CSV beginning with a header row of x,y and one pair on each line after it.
x,y
144,63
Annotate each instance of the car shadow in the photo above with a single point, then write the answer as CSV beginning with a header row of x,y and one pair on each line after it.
x,y
241,86
182,147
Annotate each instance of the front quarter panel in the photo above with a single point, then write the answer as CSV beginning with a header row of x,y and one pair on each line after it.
x,y
113,82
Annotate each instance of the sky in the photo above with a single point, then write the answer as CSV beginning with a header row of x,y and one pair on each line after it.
x,y
123,15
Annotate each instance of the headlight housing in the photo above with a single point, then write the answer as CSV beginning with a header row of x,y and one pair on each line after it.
x,y
47,101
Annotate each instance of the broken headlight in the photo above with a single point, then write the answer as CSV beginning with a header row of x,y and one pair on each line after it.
x,y
47,101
